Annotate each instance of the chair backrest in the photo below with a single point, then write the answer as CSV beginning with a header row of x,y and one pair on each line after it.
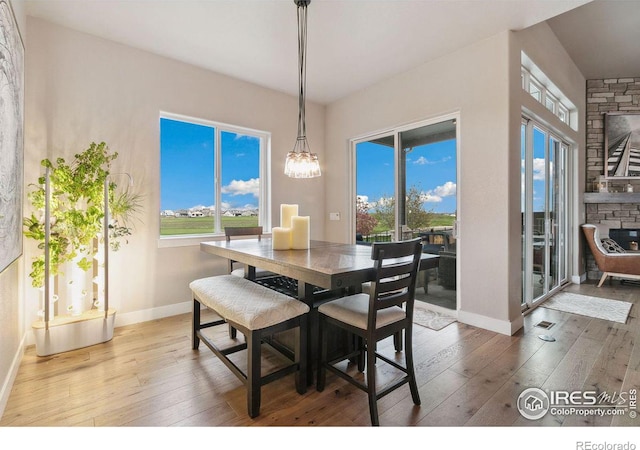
x,y
396,265
242,231
593,239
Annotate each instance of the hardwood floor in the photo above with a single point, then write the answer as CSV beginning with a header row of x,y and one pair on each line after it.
x,y
149,376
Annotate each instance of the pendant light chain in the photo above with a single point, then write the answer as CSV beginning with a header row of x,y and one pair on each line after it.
x,y
302,69
300,162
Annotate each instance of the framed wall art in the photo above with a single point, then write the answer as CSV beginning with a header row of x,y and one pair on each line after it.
x,y
622,145
11,136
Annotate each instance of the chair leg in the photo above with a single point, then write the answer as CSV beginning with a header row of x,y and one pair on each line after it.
x,y
362,355
322,355
413,385
301,352
195,325
397,341
233,333
253,373
371,382
604,277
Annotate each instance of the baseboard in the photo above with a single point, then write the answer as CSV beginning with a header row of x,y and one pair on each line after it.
x,y
159,312
7,384
491,324
579,279
134,317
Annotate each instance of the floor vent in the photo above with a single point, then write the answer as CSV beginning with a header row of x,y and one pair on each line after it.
x,y
545,324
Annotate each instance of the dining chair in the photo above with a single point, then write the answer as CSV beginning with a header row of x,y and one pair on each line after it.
x,y
387,310
230,232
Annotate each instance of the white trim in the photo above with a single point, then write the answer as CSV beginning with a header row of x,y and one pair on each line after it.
x,y
505,327
579,279
7,385
159,312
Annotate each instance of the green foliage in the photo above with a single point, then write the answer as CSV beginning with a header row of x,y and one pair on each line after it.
x,y
76,209
365,222
417,217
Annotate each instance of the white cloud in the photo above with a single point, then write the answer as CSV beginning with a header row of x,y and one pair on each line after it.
x,y
423,161
538,169
242,187
436,195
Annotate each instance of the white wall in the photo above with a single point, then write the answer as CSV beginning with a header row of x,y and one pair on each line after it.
x,y
82,89
481,83
11,311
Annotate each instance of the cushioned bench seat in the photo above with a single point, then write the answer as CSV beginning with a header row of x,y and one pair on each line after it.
x,y
258,312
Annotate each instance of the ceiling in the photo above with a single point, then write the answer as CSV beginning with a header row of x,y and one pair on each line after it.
x,y
602,38
352,44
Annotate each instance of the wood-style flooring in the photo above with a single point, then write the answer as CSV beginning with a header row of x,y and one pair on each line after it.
x,y
149,376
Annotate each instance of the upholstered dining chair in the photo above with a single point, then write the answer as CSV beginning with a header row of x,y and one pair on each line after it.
x,y
230,232
612,261
387,310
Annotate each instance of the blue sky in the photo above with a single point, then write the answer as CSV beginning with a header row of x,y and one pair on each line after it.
x,y
187,167
432,168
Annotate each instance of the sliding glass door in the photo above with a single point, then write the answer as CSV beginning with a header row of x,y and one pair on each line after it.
x,y
544,214
406,187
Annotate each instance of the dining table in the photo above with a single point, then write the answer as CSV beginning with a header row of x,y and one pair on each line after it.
x,y
324,271
329,265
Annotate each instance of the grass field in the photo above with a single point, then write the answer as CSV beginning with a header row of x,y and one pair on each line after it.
x,y
200,225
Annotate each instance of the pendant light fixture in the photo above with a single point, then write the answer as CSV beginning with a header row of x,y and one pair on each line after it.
x,y
300,162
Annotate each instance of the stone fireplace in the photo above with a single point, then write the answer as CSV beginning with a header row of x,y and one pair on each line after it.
x,y
613,210
626,237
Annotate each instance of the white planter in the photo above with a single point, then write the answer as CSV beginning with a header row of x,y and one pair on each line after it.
x,y
67,333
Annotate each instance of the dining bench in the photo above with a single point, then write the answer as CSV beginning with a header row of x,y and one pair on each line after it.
x,y
257,312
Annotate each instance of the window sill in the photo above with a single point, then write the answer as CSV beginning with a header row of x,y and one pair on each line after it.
x,y
192,241
187,240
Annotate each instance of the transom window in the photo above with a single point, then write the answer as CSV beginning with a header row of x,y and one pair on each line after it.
x,y
545,92
212,175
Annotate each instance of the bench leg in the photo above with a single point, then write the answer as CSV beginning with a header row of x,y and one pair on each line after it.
x,y
195,325
253,373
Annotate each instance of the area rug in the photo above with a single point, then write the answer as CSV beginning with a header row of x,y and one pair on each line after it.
x,y
430,319
584,305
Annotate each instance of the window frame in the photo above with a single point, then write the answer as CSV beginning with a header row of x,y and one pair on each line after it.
x,y
399,175
543,95
264,164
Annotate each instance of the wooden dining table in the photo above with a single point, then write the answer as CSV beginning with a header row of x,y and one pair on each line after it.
x,y
324,271
328,265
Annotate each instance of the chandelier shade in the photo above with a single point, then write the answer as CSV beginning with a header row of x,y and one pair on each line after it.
x,y
300,162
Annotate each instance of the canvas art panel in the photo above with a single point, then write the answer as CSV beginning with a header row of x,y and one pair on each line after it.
x,y
622,145
11,136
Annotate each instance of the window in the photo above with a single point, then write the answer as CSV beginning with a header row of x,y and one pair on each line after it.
x,y
212,175
405,182
541,91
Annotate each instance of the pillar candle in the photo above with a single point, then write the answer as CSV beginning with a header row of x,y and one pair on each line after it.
x,y
281,238
286,212
300,232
